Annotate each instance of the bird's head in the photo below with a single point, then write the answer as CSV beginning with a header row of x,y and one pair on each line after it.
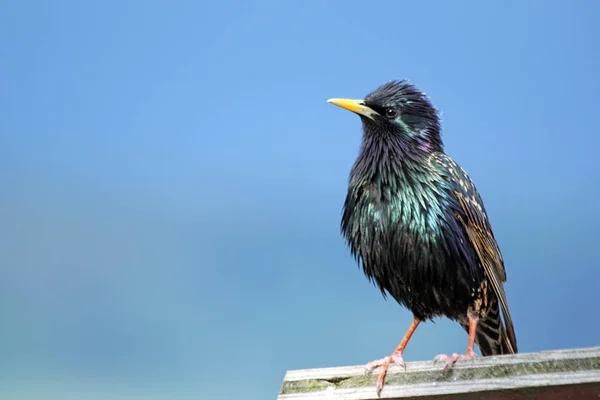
x,y
398,112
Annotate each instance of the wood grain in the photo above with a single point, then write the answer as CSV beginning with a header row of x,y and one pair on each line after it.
x,y
559,374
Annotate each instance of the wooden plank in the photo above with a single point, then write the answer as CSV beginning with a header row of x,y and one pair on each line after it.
x,y
559,374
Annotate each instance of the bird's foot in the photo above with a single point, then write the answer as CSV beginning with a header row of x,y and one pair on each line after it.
x,y
395,358
450,360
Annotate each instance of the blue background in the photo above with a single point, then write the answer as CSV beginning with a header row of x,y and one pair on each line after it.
x,y
171,180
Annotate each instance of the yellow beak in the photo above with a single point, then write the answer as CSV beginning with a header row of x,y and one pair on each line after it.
x,y
356,106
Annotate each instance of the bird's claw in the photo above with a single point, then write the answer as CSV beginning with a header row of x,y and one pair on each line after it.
x,y
450,360
395,358
384,362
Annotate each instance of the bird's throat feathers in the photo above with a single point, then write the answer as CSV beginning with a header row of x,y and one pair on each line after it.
x,y
385,157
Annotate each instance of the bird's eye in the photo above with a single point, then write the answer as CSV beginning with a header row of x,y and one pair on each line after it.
x,y
391,113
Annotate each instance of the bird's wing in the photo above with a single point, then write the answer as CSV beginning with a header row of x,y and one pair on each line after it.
x,y
473,217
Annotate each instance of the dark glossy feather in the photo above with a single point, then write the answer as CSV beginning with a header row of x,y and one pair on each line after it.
x,y
500,336
417,225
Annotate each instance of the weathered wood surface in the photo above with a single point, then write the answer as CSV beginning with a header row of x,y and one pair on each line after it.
x,y
561,374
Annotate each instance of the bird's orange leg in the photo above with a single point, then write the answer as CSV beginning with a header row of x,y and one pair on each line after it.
x,y
395,358
450,360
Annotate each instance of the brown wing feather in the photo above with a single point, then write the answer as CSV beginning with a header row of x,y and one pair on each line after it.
x,y
479,232
481,237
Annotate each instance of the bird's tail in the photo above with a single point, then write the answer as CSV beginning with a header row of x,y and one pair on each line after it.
x,y
494,337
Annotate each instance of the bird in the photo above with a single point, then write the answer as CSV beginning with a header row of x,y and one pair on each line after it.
x,y
417,226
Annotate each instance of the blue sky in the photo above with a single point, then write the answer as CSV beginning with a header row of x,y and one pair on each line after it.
x,y
172,177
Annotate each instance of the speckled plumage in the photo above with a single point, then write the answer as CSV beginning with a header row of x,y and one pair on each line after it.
x,y
416,223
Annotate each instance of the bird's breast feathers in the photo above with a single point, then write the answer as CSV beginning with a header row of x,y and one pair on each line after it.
x,y
408,221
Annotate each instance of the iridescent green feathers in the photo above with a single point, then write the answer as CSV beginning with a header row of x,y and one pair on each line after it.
x,y
416,223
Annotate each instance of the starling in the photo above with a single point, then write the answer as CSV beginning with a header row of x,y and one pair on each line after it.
x,y
417,226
